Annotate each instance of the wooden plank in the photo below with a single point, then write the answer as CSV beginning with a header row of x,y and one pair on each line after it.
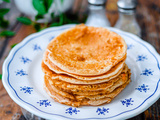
x,y
23,32
147,21
148,16
8,108
11,17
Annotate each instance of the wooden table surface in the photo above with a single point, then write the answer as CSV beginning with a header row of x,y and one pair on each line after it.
x,y
148,17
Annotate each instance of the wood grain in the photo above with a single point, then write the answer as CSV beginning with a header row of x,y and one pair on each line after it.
x,y
148,17
9,109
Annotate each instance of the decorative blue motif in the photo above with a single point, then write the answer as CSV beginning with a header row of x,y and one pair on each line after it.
x,y
143,88
36,47
51,38
130,46
107,117
147,72
26,89
44,102
21,72
102,111
141,58
71,110
25,59
127,102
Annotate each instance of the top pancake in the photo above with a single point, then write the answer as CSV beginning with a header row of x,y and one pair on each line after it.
x,y
87,51
113,72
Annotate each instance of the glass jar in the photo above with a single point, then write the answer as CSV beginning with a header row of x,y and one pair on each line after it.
x,y
97,14
127,19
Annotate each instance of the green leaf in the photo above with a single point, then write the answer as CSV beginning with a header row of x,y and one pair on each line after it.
x,y
52,15
3,23
54,24
8,1
12,46
48,4
24,20
61,19
39,6
37,27
62,1
0,76
37,17
3,11
7,33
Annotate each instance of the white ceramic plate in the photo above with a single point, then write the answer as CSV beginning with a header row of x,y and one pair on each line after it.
x,y
23,80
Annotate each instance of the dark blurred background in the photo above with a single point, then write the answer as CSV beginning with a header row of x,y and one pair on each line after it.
x,y
16,23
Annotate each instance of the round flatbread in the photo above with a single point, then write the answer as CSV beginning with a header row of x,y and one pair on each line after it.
x,y
87,51
106,90
90,87
82,100
70,79
113,72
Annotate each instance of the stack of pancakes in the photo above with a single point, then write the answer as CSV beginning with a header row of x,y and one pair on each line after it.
x,y
85,66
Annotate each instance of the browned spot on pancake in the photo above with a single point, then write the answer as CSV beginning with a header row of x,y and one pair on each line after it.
x,y
80,58
85,66
70,50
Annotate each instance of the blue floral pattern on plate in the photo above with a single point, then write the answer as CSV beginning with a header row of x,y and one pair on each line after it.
x,y
36,47
25,59
71,110
102,111
26,89
21,72
129,46
127,102
45,103
48,108
143,88
147,72
141,58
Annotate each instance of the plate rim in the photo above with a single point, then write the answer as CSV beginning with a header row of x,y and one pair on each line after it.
x,y
27,39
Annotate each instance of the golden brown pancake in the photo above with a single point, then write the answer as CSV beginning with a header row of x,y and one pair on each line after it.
x,y
95,101
85,66
114,71
87,92
118,83
87,79
91,87
83,100
74,87
58,97
87,51
60,92
70,79
110,95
